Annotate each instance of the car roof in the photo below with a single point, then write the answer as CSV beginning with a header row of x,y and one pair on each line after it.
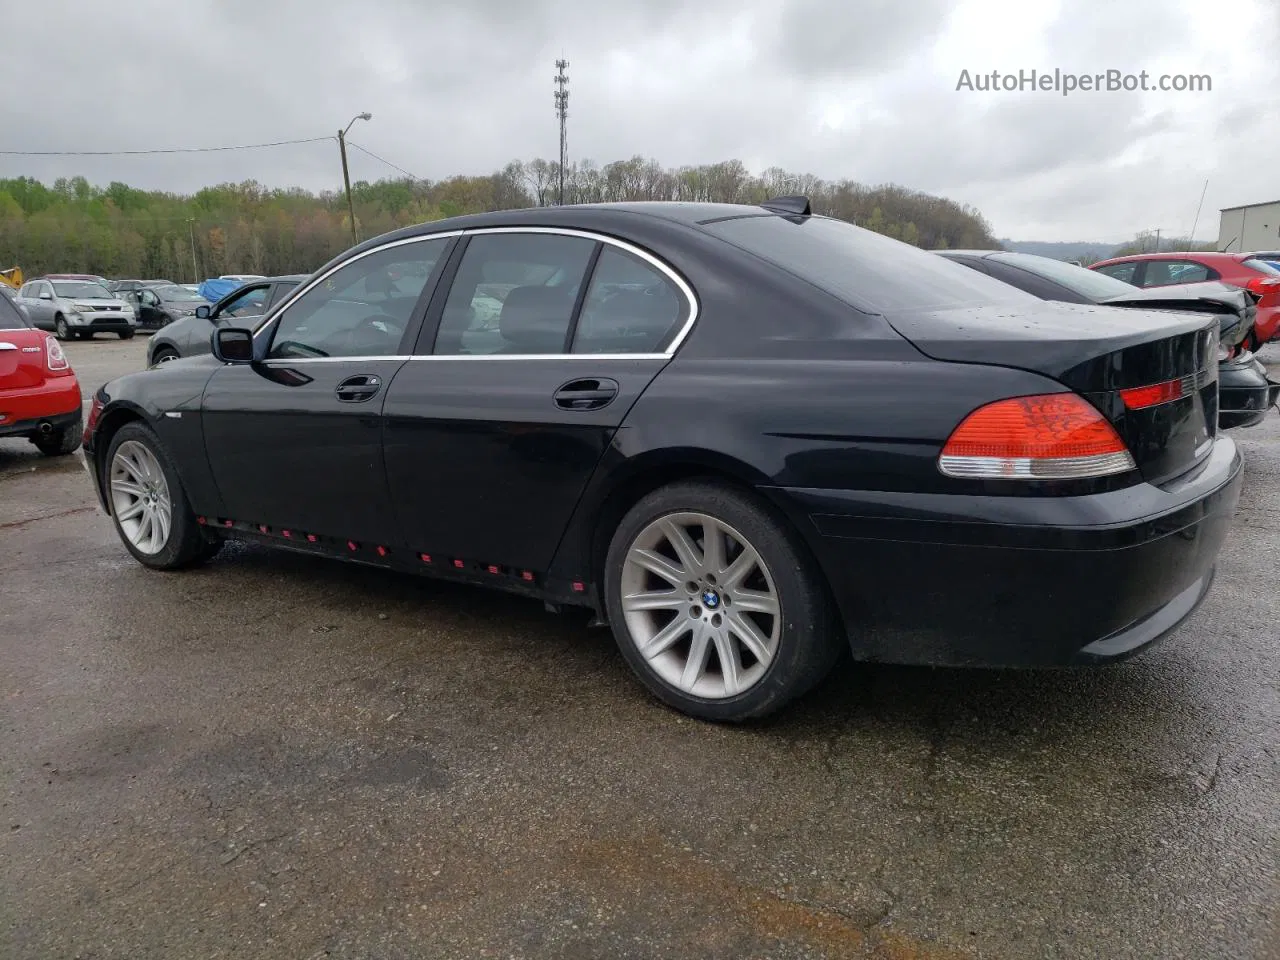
x,y
1209,256
294,277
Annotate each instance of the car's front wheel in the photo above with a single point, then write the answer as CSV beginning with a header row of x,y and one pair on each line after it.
x,y
715,604
61,329
148,504
164,355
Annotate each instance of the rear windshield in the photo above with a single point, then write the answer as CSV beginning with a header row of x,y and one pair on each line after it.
x,y
10,318
1262,266
872,272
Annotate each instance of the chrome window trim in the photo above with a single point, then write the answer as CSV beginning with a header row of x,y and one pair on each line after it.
x,y
691,299
303,288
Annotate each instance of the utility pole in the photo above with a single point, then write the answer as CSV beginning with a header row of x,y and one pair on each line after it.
x,y
1157,239
346,177
562,111
195,267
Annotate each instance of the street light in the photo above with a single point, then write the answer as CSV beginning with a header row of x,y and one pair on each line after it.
x,y
346,177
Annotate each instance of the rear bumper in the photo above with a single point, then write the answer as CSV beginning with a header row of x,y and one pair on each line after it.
x,y
1244,393
34,426
56,401
1019,581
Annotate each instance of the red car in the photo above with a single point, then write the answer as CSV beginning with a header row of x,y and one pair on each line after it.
x,y
1238,269
39,394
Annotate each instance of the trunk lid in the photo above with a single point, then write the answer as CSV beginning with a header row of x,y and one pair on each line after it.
x,y
1097,352
22,359
1236,308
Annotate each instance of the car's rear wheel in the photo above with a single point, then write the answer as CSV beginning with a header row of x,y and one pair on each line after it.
x,y
715,604
60,442
61,329
148,504
125,334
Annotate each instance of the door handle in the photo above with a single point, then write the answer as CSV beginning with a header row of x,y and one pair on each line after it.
x,y
356,389
590,393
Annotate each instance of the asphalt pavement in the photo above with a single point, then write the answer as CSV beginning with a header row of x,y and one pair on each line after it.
x,y
277,756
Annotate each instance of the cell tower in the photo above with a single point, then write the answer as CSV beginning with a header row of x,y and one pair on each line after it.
x,y
562,111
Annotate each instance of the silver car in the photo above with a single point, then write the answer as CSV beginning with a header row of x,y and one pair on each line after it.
x,y
76,309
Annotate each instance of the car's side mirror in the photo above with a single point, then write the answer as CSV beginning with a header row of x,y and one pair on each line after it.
x,y
233,345
203,312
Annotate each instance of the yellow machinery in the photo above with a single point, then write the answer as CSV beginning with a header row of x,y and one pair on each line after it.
x,y
12,277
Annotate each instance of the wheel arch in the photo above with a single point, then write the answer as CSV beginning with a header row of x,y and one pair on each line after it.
x,y
641,475
109,423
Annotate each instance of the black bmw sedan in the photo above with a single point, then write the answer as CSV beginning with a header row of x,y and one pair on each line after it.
x,y
745,436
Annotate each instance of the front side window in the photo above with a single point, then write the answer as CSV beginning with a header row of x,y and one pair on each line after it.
x,y
250,303
361,309
1121,271
630,307
513,293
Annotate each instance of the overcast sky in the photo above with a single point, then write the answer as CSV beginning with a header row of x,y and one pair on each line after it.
x,y
859,89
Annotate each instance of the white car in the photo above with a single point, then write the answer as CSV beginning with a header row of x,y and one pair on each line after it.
x,y
76,309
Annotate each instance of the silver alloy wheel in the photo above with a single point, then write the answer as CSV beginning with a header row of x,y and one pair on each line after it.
x,y
61,329
166,356
140,497
700,605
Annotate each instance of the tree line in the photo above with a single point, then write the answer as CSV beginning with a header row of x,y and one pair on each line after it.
x,y
73,226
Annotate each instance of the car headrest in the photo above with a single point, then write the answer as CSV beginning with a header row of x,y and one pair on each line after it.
x,y
535,318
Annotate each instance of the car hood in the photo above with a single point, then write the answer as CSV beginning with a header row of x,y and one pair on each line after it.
x,y
1208,296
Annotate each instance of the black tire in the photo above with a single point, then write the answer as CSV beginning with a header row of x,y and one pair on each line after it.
x,y
188,544
164,355
810,640
61,442
83,335
61,329
124,334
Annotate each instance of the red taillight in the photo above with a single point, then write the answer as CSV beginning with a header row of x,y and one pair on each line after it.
x,y
1057,436
1136,398
54,357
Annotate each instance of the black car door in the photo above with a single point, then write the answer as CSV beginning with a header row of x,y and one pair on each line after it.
x,y
542,342
150,314
295,442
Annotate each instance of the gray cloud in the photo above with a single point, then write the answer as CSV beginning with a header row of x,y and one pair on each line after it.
x,y
465,87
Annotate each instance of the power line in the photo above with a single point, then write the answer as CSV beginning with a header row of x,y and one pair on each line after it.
x,y
352,143
131,153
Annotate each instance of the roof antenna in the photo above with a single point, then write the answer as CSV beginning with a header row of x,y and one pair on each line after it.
x,y
795,205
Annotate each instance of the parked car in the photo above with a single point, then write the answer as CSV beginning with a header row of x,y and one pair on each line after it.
x,y
160,305
245,306
76,308
133,286
1238,269
1245,393
39,395
11,295
745,436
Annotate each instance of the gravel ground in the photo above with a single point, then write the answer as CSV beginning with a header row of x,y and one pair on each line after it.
x,y
277,756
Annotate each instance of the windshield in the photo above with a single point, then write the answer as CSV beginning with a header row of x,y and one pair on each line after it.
x,y
1088,283
81,290
864,269
174,292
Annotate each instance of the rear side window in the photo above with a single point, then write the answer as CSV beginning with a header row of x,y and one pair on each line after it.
x,y
630,307
1161,273
513,293
867,270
